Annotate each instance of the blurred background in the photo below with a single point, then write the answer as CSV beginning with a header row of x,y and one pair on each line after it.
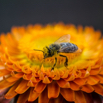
x,y
24,12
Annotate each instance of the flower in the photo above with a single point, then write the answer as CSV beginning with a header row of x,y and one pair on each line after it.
x,y
23,70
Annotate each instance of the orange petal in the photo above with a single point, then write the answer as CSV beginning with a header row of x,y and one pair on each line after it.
x,y
87,88
56,100
79,97
23,97
5,84
33,95
46,80
31,84
100,77
80,81
92,80
70,78
22,87
61,82
19,75
95,71
98,88
4,72
53,90
11,93
43,98
40,87
74,86
67,93
27,76
12,79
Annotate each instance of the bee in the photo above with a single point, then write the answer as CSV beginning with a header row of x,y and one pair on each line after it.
x,y
62,45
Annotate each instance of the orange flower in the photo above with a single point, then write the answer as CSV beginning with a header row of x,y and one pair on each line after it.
x,y
24,71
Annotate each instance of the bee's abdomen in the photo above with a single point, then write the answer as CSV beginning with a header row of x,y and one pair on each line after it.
x,y
68,47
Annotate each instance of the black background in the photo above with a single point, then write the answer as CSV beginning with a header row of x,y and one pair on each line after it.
x,y
24,12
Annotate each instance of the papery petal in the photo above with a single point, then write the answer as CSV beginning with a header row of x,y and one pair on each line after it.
x,y
53,90
92,80
79,97
40,87
56,100
11,93
68,94
80,81
87,88
43,98
22,87
4,72
33,95
74,86
98,88
8,84
23,97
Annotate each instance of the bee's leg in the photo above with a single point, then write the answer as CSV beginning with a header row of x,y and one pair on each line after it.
x,y
54,63
66,60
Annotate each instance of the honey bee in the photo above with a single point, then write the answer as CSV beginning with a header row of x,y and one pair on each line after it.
x,y
62,45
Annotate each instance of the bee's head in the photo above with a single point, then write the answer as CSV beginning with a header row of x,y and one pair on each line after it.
x,y
46,52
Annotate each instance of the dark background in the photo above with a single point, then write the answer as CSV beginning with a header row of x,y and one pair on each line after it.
x,y
24,12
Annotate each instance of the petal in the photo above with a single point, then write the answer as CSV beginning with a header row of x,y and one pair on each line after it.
x,y
87,88
12,79
53,90
79,97
33,95
43,98
4,72
22,87
92,80
67,93
8,84
40,87
100,78
74,86
11,93
61,82
56,100
23,97
98,88
46,80
95,71
80,81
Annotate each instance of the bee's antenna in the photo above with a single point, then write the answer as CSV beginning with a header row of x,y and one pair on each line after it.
x,y
38,50
47,48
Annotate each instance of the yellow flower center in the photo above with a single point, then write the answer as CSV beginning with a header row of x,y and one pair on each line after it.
x,y
28,44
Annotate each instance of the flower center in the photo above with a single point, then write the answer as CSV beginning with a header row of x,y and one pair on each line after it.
x,y
28,43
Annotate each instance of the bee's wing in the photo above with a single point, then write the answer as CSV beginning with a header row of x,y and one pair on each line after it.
x,y
65,38
66,50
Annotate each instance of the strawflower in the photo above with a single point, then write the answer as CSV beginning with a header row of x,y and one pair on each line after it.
x,y
27,75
